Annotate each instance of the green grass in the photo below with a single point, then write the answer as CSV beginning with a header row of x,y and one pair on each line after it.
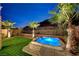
x,y
13,46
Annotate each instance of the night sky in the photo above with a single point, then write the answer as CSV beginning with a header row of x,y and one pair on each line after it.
x,y
22,14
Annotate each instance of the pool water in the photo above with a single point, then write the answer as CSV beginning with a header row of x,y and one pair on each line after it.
x,y
49,41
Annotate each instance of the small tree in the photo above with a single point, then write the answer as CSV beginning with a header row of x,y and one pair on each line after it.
x,y
8,25
33,25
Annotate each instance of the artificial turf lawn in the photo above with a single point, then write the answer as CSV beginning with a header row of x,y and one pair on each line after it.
x,y
13,46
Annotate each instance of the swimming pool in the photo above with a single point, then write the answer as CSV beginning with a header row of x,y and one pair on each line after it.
x,y
49,41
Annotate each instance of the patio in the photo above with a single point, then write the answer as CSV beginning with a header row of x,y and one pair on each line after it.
x,y
37,49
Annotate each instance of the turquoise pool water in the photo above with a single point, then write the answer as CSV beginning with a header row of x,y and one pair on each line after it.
x,y
49,41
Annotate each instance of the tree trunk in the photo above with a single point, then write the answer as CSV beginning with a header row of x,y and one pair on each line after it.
x,y
69,30
71,40
33,33
9,33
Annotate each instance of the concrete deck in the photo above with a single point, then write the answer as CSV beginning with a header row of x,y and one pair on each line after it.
x,y
37,49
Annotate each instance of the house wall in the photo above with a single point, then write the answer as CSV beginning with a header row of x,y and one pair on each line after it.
x,y
4,32
14,32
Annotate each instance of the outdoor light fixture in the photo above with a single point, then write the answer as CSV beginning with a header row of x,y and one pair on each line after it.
x,y
0,7
0,12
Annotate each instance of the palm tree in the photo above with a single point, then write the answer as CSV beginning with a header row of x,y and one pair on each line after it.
x,y
69,11
33,25
8,25
66,14
59,20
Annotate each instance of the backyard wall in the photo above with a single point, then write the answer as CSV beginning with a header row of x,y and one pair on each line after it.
x,y
47,31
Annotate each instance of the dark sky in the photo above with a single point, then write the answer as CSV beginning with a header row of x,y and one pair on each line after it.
x,y
22,14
